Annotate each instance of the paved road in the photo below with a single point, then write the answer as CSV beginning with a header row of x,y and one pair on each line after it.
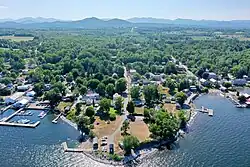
x,y
125,103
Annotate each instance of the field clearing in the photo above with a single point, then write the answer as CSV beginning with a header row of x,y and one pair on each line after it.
x,y
235,36
105,129
139,129
17,38
139,110
171,108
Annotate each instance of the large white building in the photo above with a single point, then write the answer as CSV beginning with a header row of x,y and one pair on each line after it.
x,y
13,98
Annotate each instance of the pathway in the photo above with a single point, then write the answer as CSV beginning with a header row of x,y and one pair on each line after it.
x,y
125,103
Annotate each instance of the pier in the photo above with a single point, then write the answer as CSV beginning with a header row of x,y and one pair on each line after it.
x,y
56,119
5,109
20,124
210,112
66,149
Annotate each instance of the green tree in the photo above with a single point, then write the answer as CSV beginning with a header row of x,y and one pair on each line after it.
x,y
93,83
135,92
110,89
82,90
151,94
83,123
53,96
130,142
38,88
227,84
181,97
242,99
90,111
164,125
105,104
125,127
131,107
101,89
120,85
119,103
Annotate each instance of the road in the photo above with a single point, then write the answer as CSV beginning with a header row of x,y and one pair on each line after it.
x,y
125,103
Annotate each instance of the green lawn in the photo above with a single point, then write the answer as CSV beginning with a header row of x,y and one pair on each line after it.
x,y
17,39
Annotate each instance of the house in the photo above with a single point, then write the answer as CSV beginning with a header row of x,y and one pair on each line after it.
x,y
92,96
132,71
22,103
212,75
23,88
25,71
12,99
193,88
239,82
31,94
204,82
145,82
213,81
223,89
95,143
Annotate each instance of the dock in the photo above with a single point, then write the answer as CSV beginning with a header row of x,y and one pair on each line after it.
x,y
20,124
5,109
210,112
66,149
56,119
12,115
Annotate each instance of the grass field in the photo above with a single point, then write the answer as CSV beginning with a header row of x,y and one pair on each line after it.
x,y
201,38
17,39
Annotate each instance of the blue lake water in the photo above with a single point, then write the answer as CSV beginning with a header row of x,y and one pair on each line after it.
x,y
219,141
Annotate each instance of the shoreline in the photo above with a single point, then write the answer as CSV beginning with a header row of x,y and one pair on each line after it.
x,y
143,153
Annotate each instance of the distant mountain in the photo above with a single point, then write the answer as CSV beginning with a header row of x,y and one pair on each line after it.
x,y
190,22
149,20
92,23
29,20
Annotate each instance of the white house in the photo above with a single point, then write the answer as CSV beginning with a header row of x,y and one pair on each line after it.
x,y
13,98
21,103
23,88
212,75
31,94
132,71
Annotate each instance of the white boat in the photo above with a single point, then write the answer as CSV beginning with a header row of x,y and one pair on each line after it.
x,y
43,115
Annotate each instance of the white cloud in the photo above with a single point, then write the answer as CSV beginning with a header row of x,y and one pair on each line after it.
x,y
3,7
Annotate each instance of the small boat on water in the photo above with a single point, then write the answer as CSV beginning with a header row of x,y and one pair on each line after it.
x,y
43,115
23,121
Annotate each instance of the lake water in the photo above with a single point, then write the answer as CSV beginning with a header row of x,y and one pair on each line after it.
x,y
222,140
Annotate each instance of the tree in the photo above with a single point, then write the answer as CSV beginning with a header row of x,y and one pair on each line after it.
x,y
90,111
119,70
135,92
181,97
164,125
119,103
151,94
227,84
130,142
120,85
105,104
242,99
82,90
78,109
38,88
53,96
110,89
101,89
83,123
125,127
131,107
93,83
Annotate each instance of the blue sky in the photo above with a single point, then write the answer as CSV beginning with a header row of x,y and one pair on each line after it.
x,y
169,9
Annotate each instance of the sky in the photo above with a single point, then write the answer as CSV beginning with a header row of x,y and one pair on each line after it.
x,y
124,9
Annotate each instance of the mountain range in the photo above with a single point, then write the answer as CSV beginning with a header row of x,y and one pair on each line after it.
x,y
93,22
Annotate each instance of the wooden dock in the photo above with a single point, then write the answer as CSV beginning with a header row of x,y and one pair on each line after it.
x,y
210,112
56,119
20,124
5,109
66,149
